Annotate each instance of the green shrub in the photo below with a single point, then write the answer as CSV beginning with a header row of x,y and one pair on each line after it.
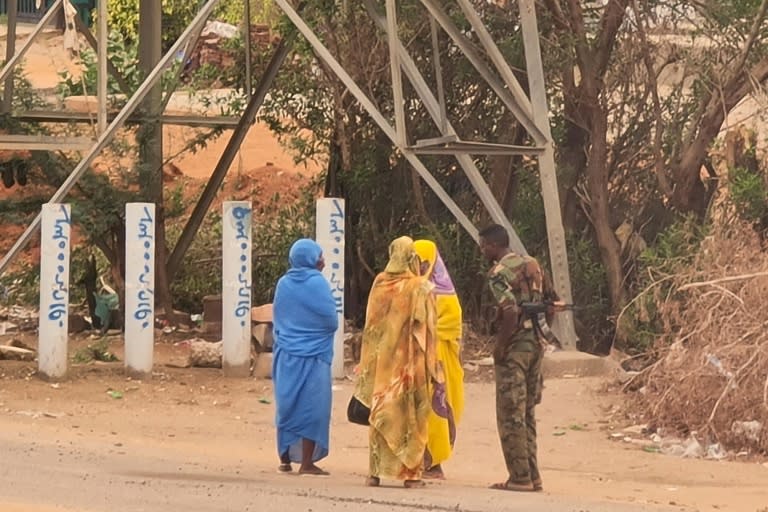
x,y
748,193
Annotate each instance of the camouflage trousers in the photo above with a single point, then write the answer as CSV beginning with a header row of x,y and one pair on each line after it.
x,y
518,390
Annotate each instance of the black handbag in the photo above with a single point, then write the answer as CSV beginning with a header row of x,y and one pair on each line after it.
x,y
358,413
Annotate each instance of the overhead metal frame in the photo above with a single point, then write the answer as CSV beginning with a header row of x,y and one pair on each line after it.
x,y
531,113
106,137
104,70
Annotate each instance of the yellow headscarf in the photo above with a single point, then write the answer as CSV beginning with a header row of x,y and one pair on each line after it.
x,y
402,257
449,314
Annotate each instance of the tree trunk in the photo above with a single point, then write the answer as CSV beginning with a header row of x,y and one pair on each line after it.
x,y
597,184
572,163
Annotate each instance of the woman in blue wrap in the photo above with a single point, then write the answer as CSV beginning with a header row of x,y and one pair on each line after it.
x,y
305,320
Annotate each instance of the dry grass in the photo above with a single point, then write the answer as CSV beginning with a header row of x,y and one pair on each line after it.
x,y
712,363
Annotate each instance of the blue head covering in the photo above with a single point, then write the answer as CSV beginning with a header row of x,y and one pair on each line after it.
x,y
304,311
304,255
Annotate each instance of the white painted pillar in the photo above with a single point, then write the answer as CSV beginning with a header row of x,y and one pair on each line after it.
x,y
236,293
54,289
330,235
139,288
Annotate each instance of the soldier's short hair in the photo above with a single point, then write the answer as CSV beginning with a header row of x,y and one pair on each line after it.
x,y
496,234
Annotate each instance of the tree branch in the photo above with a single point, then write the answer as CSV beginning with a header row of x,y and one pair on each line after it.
x,y
576,22
553,6
754,32
653,86
610,23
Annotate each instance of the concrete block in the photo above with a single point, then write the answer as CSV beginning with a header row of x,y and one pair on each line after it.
x,y
571,363
212,329
212,308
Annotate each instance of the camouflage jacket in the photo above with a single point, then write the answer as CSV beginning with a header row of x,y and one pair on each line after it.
x,y
515,279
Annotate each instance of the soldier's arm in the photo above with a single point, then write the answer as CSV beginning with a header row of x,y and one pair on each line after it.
x,y
508,312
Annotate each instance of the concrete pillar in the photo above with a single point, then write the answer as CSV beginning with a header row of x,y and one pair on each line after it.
x,y
54,290
236,292
139,288
330,236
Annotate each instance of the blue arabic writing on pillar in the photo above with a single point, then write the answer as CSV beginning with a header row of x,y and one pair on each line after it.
x,y
58,307
336,230
241,215
145,294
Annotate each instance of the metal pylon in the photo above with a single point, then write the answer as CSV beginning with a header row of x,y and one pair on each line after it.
x,y
531,113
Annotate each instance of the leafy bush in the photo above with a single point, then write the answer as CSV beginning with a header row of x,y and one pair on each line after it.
x,y
262,11
748,193
124,56
674,249
124,19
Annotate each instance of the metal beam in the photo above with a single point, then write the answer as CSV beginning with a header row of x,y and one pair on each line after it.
x,y
377,116
11,64
475,148
443,139
401,137
227,157
44,143
102,59
106,137
499,61
247,40
558,253
188,49
520,106
438,73
10,49
42,116
465,161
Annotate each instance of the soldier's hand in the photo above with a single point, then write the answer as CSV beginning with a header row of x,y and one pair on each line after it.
x,y
558,305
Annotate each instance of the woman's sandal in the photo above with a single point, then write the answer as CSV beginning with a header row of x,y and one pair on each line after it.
x,y
313,471
373,481
414,484
511,486
433,474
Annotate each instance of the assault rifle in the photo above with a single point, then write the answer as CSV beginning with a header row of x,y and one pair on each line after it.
x,y
532,309
536,312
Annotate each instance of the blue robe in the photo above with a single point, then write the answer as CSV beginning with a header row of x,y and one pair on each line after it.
x,y
305,321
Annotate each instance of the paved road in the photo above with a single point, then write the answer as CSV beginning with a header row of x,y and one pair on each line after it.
x,y
41,476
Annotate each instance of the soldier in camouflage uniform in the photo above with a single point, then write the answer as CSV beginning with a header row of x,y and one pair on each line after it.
x,y
517,357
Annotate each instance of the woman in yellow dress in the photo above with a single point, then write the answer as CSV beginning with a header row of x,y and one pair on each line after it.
x,y
449,401
397,367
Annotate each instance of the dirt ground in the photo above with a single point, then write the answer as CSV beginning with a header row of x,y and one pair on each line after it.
x,y
200,417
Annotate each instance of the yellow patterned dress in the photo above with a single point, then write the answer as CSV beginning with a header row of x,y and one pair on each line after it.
x,y
398,365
